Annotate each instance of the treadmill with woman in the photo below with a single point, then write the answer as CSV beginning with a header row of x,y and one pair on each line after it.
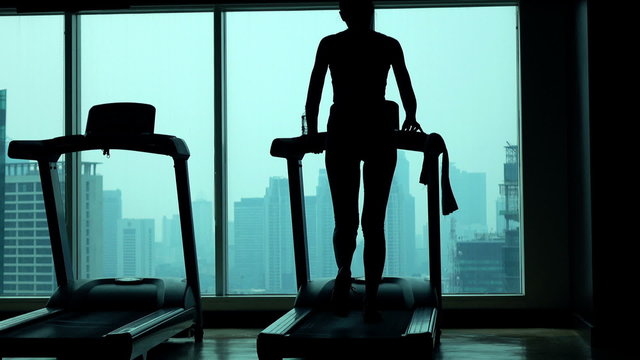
x,y
378,316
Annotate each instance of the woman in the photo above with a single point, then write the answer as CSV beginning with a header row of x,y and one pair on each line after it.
x,y
359,130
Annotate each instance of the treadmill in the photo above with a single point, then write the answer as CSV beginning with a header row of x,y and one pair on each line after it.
x,y
111,318
410,307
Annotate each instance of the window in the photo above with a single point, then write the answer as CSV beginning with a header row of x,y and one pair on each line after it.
x,y
31,107
463,64
269,60
129,200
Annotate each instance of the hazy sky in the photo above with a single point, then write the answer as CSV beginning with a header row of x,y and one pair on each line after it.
x,y
462,61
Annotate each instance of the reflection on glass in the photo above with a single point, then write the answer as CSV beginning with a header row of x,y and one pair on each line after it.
x,y
31,107
131,215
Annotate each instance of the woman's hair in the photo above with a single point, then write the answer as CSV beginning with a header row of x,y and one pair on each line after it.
x,y
349,7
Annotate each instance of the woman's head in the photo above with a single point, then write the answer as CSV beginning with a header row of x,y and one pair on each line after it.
x,y
358,14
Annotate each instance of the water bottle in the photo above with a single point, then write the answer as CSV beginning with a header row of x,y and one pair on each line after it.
x,y
305,130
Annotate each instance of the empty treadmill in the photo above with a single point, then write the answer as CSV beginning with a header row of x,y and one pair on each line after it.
x,y
113,318
410,306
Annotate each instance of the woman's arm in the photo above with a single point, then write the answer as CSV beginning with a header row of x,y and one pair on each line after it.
x,y
316,83
407,95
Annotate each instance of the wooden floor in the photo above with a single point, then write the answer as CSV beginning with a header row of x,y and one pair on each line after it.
x,y
458,344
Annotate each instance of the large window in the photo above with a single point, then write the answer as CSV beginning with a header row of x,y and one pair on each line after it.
x,y
463,63
269,60
165,60
31,107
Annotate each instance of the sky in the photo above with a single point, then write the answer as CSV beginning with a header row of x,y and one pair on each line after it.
x,y
462,61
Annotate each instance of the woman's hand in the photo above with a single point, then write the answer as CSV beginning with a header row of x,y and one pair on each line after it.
x,y
410,124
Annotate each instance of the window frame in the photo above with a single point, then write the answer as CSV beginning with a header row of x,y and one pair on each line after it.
x,y
536,273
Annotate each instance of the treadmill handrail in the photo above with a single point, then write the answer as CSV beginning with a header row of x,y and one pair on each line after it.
x,y
297,147
51,149
294,150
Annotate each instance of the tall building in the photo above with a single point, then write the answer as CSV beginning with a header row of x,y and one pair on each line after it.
x,y
3,154
280,271
90,246
510,198
322,222
490,263
463,225
135,247
400,223
248,273
28,263
203,232
111,215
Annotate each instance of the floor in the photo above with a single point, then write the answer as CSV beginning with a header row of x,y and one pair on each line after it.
x,y
465,344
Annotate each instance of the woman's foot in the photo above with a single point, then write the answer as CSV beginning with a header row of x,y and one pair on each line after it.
x,y
340,296
370,312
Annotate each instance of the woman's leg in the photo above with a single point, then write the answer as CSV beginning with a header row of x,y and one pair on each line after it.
x,y
343,172
377,177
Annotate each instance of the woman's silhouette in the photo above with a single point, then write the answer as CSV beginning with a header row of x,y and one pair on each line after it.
x,y
359,130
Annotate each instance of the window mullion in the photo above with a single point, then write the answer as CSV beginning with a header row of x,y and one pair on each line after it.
x,y
72,127
220,152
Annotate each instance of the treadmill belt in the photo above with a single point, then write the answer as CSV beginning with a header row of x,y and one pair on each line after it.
x,y
76,325
325,324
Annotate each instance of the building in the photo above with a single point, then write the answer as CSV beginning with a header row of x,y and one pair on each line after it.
x,y
510,198
400,223
90,246
28,263
3,155
490,262
280,270
247,275
320,224
111,215
135,247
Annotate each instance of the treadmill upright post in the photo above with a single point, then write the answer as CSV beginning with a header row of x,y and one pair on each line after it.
x,y
188,236
60,245
298,221
433,216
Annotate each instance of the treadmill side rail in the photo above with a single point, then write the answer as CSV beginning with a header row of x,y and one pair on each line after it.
x,y
25,319
423,321
286,322
141,325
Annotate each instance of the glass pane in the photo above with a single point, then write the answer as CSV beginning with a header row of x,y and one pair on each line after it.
x,y
31,107
131,216
269,61
463,64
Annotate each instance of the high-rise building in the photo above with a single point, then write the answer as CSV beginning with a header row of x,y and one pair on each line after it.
x,y
490,263
248,273
510,198
28,262
463,225
135,247
111,214
203,232
90,246
280,271
400,223
321,245
3,135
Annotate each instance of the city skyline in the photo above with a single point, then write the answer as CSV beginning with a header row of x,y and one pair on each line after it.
x,y
406,248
